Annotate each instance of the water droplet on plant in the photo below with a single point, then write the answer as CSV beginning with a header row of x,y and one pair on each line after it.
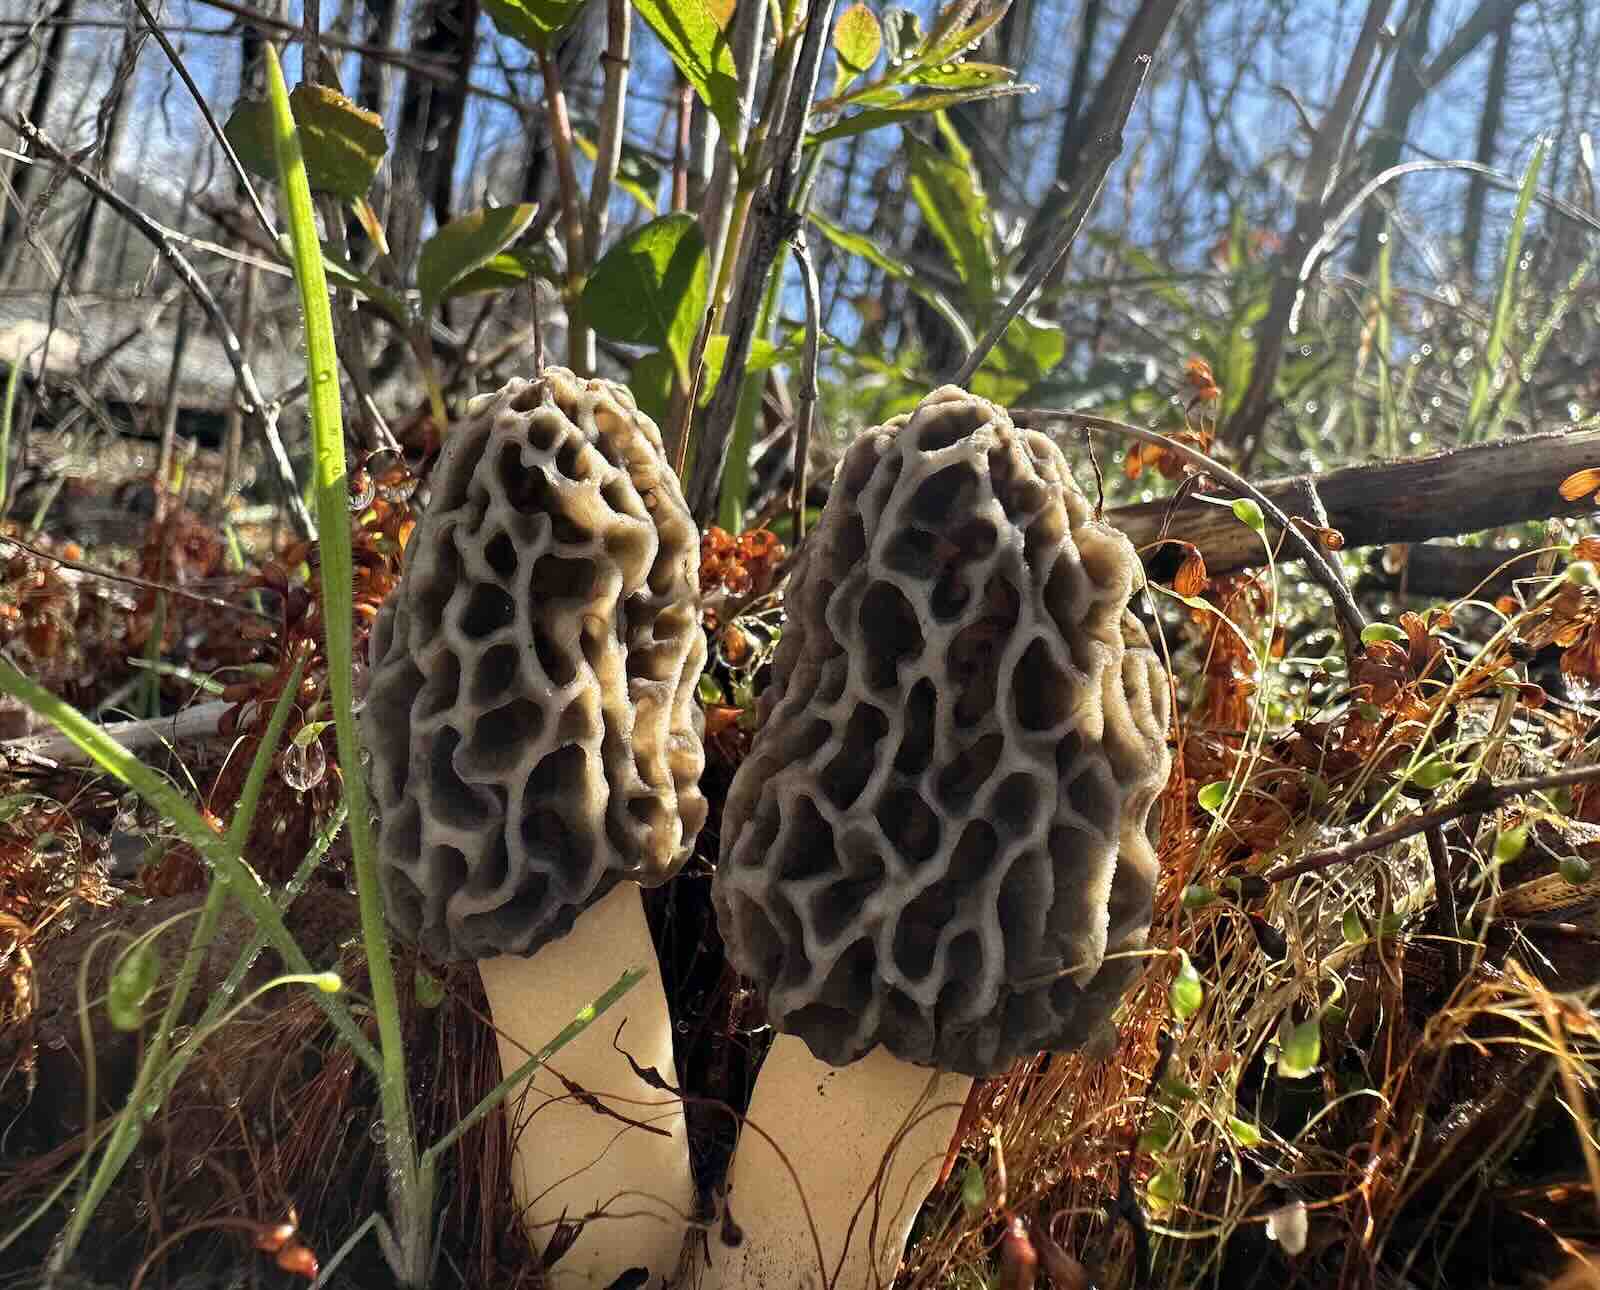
x,y
363,488
302,769
398,488
360,681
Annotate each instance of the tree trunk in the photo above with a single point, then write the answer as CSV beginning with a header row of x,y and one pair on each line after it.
x,y
1406,91
25,179
1488,138
429,128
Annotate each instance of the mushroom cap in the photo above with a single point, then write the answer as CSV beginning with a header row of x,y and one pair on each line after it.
x,y
531,714
945,825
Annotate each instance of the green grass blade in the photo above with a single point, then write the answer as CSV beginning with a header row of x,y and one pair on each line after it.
x,y
1500,324
1389,415
1511,391
412,1209
220,856
7,413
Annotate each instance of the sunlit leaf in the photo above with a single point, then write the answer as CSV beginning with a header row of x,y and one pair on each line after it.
x,y
1187,993
343,144
1244,1133
535,23
1299,1046
949,192
1249,514
651,289
857,38
1580,483
465,244
1028,351
1212,796
697,41
1196,896
1355,931
1434,772
1164,1190
1374,632
912,105
1510,844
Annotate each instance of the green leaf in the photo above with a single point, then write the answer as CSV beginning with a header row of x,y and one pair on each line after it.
x,y
508,269
912,105
309,733
651,289
534,22
650,380
343,144
974,1191
950,196
1355,931
465,244
1212,796
1373,632
698,44
857,38
1576,870
1433,772
962,76
1510,843
428,988
1244,1133
1249,514
1163,1191
133,978
1510,276
1157,1135
1027,353
1187,993
709,689
1299,1046
1196,896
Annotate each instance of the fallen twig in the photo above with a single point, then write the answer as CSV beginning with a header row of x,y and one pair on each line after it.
x,y
1480,797
196,722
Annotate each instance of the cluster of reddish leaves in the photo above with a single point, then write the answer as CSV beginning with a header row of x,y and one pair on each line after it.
x,y
1203,388
43,875
742,566
288,816
56,624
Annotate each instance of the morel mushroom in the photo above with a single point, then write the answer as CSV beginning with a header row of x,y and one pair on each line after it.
x,y
938,857
536,755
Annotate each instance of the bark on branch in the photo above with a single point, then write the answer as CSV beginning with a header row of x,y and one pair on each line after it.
x,y
1464,490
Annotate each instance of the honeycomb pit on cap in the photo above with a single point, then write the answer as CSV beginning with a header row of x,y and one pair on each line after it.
x,y
536,754
944,833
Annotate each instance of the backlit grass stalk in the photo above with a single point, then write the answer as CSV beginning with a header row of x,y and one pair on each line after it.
x,y
411,1205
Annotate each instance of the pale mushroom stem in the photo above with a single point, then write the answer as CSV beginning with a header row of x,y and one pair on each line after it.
x,y
837,1125
568,1156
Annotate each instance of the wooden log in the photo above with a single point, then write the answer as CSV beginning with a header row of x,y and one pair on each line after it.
x,y
1464,490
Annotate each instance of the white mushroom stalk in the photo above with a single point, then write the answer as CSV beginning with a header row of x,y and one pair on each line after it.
x,y
875,1138
568,1160
938,852
536,758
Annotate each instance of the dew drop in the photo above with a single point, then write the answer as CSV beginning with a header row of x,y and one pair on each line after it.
x,y
398,488
363,488
302,769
